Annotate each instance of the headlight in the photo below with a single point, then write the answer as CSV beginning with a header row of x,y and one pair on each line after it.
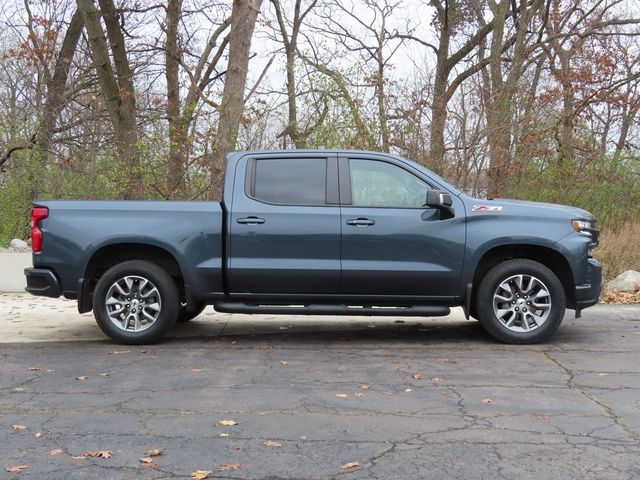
x,y
582,226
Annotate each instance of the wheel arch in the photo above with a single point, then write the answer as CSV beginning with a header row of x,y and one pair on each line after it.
x,y
545,255
112,254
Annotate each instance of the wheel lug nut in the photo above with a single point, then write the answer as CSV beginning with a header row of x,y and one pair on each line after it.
x,y
528,303
517,309
524,309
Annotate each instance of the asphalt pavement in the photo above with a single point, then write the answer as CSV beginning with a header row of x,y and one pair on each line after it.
x,y
312,397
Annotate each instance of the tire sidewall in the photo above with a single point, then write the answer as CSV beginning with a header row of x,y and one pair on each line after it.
x,y
185,315
168,295
488,285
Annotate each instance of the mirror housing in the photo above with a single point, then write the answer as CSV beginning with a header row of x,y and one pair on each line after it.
x,y
442,201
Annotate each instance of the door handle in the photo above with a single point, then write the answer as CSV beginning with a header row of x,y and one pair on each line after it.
x,y
250,220
361,222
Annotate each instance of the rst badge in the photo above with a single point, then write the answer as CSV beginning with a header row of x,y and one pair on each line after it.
x,y
487,208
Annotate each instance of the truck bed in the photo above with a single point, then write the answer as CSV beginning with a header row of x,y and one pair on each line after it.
x,y
190,231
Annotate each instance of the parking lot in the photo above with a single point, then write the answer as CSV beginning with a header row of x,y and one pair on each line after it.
x,y
311,397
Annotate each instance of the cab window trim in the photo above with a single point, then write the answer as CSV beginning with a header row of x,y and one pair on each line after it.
x,y
331,194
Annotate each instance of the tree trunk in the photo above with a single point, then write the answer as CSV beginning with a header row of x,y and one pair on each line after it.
x,y
56,100
243,21
177,160
118,93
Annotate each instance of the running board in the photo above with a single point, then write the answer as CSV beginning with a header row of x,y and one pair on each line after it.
x,y
320,309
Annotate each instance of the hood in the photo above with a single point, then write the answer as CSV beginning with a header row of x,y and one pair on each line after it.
x,y
535,208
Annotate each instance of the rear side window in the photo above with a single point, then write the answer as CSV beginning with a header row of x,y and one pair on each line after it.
x,y
299,181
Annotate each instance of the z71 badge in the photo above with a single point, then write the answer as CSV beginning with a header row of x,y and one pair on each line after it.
x,y
486,208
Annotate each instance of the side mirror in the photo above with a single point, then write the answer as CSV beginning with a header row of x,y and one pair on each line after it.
x,y
442,201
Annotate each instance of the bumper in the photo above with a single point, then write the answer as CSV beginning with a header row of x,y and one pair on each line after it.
x,y
587,295
42,282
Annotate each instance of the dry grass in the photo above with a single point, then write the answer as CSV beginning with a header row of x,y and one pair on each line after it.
x,y
619,250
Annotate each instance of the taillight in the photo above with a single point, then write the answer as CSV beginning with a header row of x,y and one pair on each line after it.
x,y
37,214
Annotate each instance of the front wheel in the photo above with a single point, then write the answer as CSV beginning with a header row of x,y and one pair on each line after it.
x,y
520,301
135,302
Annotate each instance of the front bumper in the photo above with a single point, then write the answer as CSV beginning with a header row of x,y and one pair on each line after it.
x,y
42,282
588,294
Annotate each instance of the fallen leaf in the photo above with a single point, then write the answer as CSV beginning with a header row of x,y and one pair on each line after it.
x,y
228,467
17,468
227,423
364,386
437,379
407,390
119,352
55,451
603,374
283,362
443,360
272,443
97,453
417,376
155,452
17,426
196,369
224,435
34,369
147,462
543,417
50,370
200,474
359,394
82,378
264,347
387,392
395,361
348,465
342,395
37,434
105,374
18,389
486,400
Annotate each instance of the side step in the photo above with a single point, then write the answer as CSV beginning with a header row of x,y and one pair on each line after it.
x,y
321,309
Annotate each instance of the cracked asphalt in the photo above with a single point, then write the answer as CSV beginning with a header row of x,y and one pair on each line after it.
x,y
431,398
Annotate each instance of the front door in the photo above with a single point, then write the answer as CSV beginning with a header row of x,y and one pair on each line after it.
x,y
391,243
285,226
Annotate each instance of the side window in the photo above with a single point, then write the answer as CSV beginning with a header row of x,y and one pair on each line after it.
x,y
382,184
295,181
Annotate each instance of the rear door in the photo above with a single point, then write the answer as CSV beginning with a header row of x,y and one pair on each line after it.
x,y
391,243
285,226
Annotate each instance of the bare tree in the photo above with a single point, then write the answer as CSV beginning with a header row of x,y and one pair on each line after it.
x,y
117,87
243,21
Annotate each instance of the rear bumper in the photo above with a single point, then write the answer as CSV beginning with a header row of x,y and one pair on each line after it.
x,y
42,282
587,294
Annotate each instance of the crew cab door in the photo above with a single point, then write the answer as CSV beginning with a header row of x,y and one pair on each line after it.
x,y
391,243
284,226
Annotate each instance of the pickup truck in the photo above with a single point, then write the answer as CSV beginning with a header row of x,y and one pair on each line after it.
x,y
318,232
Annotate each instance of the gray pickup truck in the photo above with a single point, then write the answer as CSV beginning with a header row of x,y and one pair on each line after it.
x,y
327,232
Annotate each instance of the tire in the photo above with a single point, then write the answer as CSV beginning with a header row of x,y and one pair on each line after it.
x,y
136,303
516,290
185,315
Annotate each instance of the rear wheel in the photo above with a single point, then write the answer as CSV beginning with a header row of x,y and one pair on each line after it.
x,y
520,301
135,302
185,315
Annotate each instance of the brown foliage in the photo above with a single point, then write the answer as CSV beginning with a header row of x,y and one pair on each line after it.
x,y
619,250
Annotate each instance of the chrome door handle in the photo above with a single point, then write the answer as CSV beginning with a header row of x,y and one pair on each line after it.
x,y
250,220
361,222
